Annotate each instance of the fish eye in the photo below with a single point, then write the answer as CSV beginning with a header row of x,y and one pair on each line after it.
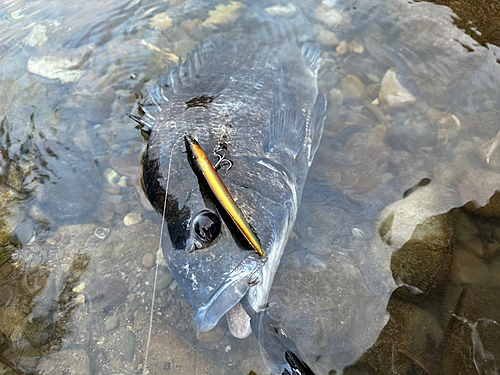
x,y
206,226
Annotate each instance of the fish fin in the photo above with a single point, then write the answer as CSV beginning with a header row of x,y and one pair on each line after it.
x,y
168,85
145,127
286,130
293,127
316,124
312,54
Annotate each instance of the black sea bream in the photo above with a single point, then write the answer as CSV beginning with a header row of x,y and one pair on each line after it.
x,y
256,98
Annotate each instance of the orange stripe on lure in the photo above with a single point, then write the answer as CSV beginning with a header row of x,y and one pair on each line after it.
x,y
205,171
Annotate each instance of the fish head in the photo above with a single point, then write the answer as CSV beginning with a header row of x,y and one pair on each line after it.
x,y
213,268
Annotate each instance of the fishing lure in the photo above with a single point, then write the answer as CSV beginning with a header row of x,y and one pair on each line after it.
x,y
206,173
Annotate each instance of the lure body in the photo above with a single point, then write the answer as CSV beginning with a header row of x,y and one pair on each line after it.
x,y
205,171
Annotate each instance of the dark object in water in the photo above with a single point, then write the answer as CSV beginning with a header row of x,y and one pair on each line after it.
x,y
255,96
280,349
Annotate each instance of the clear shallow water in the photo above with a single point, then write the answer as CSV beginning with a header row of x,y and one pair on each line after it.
x,y
76,280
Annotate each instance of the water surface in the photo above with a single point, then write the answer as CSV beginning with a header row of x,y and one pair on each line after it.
x,y
409,154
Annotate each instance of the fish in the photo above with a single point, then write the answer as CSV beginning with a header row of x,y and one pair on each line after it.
x,y
257,98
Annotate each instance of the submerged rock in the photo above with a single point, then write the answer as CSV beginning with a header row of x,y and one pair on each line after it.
x,y
393,93
161,22
66,66
353,88
224,15
37,36
420,228
473,345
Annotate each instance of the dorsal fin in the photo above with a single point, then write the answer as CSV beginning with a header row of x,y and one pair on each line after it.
x,y
166,86
312,54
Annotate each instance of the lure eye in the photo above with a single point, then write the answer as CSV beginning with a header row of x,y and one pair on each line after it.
x,y
206,226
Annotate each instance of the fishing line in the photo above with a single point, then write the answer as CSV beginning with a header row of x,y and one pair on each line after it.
x,y
158,254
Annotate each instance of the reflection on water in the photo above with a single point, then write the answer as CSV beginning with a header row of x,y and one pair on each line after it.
x,y
408,165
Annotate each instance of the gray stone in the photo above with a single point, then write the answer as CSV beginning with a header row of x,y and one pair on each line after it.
x,y
130,342
148,260
65,66
111,323
327,38
165,278
353,88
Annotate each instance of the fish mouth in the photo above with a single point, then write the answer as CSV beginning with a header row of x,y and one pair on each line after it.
x,y
228,294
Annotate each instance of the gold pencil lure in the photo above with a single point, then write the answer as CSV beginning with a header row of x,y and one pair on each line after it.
x,y
205,171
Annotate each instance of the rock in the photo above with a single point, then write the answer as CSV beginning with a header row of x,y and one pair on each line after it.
x,y
342,48
132,219
410,134
392,92
148,260
101,233
410,333
107,293
469,269
165,278
111,323
333,18
130,344
66,362
224,15
353,88
281,10
473,345
121,345
417,227
66,66
10,320
37,36
425,259
126,164
161,22
336,98
327,38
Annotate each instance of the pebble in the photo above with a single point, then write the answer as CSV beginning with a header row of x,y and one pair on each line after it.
x,y
336,97
130,341
101,233
111,323
111,176
60,65
164,280
132,219
281,10
327,38
161,22
393,93
224,15
148,260
353,88
79,288
331,17
37,36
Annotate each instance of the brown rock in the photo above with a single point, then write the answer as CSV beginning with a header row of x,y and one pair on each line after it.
x,y
353,88
425,259
473,345
410,333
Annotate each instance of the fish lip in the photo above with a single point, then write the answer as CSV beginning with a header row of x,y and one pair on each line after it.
x,y
233,289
